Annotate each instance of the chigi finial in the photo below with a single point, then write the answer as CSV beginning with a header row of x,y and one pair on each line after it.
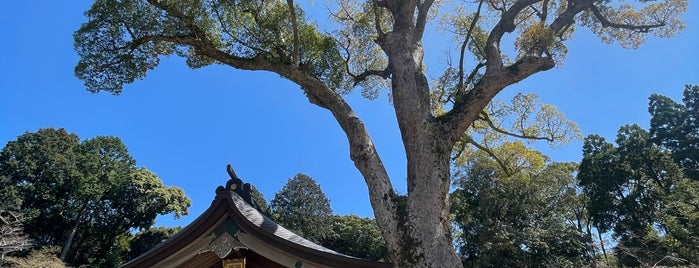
x,y
236,185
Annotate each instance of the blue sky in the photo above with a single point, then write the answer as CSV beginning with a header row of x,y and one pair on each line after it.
x,y
186,125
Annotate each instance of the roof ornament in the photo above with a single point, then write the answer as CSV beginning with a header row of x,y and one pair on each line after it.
x,y
237,185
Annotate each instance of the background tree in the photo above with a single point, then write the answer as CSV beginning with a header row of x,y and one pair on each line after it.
x,y
522,219
302,207
355,236
378,45
638,190
88,193
675,127
147,239
259,200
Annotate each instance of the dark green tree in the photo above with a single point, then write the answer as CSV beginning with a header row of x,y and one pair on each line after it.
x,y
40,167
632,189
302,207
356,236
525,219
147,239
86,193
675,127
378,45
260,202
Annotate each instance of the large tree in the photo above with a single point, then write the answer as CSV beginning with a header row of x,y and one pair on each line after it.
x,y
521,219
87,193
629,188
675,127
378,45
645,190
302,207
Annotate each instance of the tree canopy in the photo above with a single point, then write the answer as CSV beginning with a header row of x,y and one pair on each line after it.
x,y
377,46
88,193
522,219
639,191
302,207
355,236
675,127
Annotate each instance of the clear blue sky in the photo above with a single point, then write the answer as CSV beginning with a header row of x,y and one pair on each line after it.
x,y
186,125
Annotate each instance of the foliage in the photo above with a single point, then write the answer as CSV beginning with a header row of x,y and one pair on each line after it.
x,y
355,236
520,220
638,189
260,202
302,207
147,239
85,193
378,44
500,129
675,127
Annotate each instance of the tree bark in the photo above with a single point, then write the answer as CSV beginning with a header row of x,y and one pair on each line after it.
x,y
423,221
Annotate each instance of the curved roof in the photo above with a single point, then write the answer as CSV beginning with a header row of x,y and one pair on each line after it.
x,y
232,222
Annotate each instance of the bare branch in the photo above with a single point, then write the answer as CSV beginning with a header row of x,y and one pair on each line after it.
x,y
12,237
465,44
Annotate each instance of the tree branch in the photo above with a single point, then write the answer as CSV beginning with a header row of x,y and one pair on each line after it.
x,y
467,107
227,30
485,117
422,11
295,26
567,18
490,153
506,24
385,74
362,150
606,23
465,44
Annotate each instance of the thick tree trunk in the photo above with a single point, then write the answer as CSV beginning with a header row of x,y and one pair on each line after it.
x,y
427,240
423,221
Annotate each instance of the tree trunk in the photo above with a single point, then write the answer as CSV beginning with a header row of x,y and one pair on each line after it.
x,y
427,240
601,244
423,220
73,230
